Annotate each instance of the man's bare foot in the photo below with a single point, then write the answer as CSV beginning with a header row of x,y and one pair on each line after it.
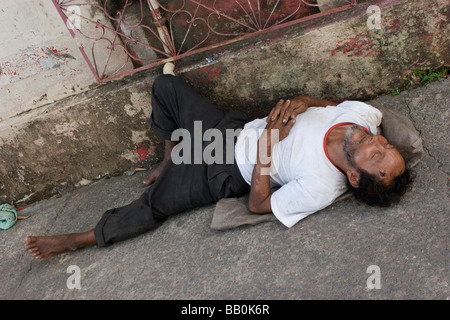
x,y
44,247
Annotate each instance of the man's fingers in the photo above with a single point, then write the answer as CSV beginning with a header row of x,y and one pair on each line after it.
x,y
290,123
284,112
294,110
289,112
280,123
275,111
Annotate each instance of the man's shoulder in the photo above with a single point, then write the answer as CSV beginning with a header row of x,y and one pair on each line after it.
x,y
355,104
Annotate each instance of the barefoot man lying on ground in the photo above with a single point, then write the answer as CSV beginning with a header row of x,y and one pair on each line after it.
x,y
310,150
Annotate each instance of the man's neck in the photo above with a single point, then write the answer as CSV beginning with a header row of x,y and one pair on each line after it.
x,y
335,147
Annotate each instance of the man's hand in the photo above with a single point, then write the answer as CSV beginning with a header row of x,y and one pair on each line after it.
x,y
289,109
282,118
296,106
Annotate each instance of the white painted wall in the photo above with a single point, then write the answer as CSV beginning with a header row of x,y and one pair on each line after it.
x,y
40,61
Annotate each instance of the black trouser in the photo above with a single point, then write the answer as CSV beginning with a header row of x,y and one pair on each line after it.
x,y
180,187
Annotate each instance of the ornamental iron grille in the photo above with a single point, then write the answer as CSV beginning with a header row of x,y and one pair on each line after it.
x,y
121,37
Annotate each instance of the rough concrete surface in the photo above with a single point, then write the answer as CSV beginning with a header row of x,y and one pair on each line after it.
x,y
325,256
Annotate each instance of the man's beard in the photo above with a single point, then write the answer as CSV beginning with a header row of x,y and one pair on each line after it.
x,y
352,141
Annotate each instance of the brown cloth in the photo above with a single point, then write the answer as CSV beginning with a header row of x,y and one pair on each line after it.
x,y
399,131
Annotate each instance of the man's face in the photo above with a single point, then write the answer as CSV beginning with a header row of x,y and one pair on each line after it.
x,y
373,154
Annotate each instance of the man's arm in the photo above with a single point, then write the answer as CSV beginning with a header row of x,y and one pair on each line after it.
x,y
314,102
260,193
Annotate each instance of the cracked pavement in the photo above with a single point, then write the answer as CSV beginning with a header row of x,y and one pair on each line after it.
x,y
325,256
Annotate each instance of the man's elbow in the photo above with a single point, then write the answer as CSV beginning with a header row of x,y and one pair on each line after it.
x,y
253,209
258,208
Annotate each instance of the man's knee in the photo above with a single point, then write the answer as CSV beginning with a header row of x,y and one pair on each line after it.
x,y
163,83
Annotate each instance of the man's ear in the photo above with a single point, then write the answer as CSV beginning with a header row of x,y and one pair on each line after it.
x,y
353,176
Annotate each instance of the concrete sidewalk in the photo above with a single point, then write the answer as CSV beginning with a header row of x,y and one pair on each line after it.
x,y
325,256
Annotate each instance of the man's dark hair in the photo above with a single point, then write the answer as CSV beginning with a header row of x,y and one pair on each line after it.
x,y
373,192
